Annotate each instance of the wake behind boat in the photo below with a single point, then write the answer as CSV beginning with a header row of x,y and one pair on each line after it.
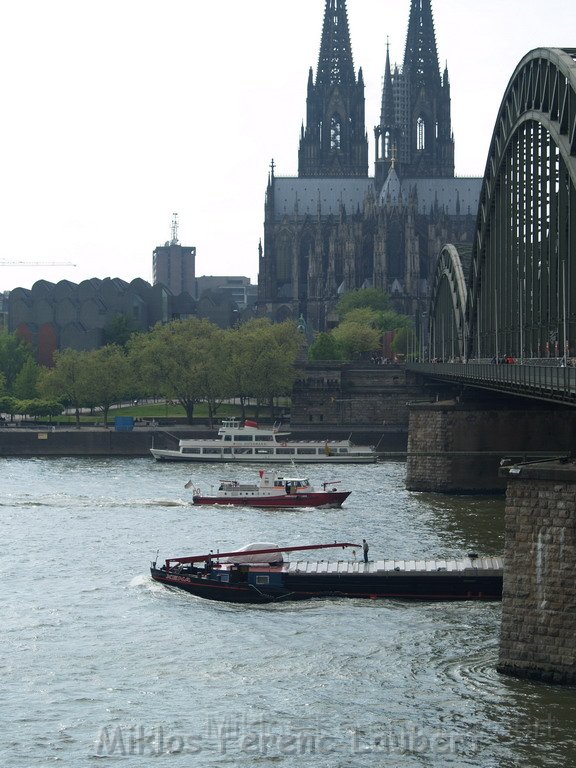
x,y
274,491
248,443
258,574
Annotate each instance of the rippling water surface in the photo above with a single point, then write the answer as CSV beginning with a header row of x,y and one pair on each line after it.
x,y
101,666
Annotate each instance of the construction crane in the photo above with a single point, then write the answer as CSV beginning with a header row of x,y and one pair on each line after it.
x,y
36,263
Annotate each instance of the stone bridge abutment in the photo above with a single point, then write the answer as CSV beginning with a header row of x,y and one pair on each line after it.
x,y
538,631
457,447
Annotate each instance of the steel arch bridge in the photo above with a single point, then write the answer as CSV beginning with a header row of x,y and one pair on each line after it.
x,y
520,295
448,306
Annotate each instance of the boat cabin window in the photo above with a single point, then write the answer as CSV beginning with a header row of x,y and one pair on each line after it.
x,y
285,451
244,438
190,450
224,577
212,451
261,579
305,451
265,450
297,483
228,438
243,451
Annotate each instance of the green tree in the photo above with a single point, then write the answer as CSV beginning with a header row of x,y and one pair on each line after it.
x,y
14,352
107,376
245,348
405,343
214,381
325,347
372,298
261,359
67,380
38,408
272,369
392,321
357,339
170,360
9,405
119,330
26,380
364,315
367,316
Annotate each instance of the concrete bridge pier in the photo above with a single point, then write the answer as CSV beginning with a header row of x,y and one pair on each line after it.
x,y
455,446
538,635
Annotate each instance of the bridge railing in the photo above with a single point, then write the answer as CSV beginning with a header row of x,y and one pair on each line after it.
x,y
544,382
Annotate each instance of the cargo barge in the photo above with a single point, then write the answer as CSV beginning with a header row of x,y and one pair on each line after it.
x,y
258,573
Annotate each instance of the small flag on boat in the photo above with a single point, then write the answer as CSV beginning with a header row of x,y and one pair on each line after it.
x,y
188,484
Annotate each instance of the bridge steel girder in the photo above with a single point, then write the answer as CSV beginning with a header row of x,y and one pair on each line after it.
x,y
447,318
522,283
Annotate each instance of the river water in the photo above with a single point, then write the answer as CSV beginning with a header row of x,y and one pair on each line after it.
x,y
101,666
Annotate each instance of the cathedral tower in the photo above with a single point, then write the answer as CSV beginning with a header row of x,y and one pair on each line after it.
x,y
388,134
415,122
334,143
333,228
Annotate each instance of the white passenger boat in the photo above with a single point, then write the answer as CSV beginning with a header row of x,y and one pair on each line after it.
x,y
246,442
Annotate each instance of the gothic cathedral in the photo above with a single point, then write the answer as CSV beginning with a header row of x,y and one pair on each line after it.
x,y
335,228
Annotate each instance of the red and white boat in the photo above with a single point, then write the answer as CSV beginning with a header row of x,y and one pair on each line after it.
x,y
273,490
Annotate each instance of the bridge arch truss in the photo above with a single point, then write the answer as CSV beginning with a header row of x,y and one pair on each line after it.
x,y
520,293
447,321
522,283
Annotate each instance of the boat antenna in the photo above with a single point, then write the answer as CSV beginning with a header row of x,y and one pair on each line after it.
x,y
155,559
379,441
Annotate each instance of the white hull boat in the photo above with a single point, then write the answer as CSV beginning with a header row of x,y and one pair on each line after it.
x,y
249,444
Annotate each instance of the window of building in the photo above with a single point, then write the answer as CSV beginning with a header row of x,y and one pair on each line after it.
x,y
420,134
335,132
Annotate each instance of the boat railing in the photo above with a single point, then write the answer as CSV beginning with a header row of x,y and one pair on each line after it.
x,y
231,424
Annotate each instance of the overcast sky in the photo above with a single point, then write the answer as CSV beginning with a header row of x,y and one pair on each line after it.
x,y
117,113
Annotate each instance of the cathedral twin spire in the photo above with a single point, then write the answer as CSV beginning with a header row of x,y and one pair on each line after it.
x,y
335,62
415,114
429,149
334,141
420,56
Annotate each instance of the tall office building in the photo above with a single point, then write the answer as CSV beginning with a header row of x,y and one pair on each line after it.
x,y
174,265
